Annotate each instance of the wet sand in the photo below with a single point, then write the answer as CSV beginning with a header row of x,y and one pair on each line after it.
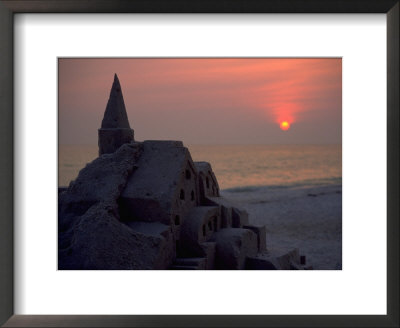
x,y
304,217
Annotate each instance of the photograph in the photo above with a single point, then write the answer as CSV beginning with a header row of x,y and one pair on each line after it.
x,y
200,163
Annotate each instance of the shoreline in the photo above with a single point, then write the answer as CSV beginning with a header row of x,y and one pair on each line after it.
x,y
304,217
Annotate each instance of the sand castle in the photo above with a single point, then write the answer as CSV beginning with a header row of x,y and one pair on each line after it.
x,y
147,205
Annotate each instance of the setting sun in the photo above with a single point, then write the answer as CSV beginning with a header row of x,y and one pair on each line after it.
x,y
285,125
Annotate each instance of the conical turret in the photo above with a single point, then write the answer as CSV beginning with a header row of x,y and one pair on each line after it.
x,y
115,115
115,130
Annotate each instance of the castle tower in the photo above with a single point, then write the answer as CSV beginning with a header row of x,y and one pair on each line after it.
x,y
115,130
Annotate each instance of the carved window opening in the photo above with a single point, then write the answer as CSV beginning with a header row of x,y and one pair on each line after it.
x,y
177,220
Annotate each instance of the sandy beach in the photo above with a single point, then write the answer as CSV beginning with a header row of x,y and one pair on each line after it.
x,y
304,217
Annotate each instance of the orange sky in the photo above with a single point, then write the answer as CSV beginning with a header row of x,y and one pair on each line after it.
x,y
206,101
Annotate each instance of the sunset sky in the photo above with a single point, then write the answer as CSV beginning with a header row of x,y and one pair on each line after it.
x,y
206,101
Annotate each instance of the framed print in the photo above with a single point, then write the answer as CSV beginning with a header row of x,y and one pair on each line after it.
x,y
42,44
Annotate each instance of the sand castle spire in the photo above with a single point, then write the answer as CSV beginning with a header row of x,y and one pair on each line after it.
x,y
115,129
115,115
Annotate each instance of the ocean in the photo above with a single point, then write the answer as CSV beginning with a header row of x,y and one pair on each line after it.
x,y
238,167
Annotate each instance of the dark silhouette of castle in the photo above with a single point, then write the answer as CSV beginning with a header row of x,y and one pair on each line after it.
x,y
148,205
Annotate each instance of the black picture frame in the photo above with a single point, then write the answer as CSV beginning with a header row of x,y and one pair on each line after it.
x,y
10,7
